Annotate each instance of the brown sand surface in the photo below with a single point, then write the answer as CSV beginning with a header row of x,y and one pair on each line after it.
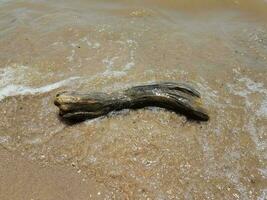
x,y
21,178
219,47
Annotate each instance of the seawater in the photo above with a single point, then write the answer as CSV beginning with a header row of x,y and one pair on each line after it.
x,y
218,47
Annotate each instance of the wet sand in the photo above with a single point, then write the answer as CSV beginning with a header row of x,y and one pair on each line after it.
x,y
24,179
218,47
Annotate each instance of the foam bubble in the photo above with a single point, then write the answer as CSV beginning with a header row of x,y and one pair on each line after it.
x,y
4,139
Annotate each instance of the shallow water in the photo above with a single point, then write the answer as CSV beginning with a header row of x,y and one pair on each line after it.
x,y
218,47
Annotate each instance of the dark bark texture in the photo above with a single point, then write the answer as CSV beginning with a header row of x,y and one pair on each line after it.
x,y
178,97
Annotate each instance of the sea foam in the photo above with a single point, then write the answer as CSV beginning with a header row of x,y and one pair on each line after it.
x,y
14,90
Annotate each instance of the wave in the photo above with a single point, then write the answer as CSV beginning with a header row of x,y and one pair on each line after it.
x,y
14,90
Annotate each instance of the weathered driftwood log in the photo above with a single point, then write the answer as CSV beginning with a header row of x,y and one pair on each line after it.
x,y
177,97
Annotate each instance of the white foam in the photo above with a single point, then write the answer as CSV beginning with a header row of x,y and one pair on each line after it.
x,y
71,57
94,45
263,195
210,95
13,89
263,172
253,86
249,87
4,139
245,87
109,62
93,121
131,42
12,74
262,111
129,65
234,177
85,39
110,73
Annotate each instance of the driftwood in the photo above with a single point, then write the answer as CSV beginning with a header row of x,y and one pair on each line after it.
x,y
178,97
